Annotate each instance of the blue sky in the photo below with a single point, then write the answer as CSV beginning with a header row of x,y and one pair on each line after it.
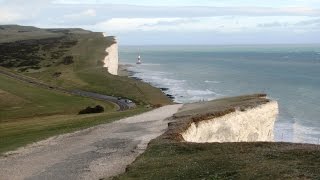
x,y
176,21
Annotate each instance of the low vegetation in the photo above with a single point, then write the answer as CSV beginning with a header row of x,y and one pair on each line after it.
x,y
170,157
20,100
66,58
178,160
20,132
71,59
91,110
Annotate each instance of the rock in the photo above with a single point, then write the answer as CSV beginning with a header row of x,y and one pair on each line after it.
x,y
170,96
136,78
164,89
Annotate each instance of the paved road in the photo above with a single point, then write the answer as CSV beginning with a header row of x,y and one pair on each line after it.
x,y
101,151
123,105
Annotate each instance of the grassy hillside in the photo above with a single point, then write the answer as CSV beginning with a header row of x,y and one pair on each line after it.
x,y
29,113
21,100
68,58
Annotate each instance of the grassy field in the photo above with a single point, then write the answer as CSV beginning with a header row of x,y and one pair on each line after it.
x,y
88,74
12,33
29,113
170,157
20,132
175,160
68,58
21,100
44,54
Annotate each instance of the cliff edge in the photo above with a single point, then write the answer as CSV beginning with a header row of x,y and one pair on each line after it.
x,y
236,119
111,61
181,152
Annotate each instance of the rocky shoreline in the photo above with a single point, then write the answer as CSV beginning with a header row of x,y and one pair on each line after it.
x,y
124,71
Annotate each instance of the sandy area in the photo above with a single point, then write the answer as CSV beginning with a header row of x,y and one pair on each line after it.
x,y
101,151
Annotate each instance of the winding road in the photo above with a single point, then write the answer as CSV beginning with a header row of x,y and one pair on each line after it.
x,y
123,105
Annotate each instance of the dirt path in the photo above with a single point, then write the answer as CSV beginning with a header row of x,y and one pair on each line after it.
x,y
101,151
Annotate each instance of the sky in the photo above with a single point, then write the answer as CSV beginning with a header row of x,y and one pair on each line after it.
x,y
173,22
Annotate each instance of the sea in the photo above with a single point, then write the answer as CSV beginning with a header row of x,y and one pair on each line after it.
x,y
289,74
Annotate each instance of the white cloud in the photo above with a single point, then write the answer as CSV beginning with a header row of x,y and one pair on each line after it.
x,y
222,24
9,16
130,24
84,14
90,12
212,3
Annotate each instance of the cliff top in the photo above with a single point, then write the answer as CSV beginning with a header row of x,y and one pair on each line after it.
x,y
12,33
200,111
228,104
169,158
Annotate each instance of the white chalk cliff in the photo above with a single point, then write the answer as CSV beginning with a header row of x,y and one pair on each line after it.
x,y
111,61
254,124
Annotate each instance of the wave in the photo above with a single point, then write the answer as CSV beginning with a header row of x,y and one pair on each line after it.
x,y
178,88
305,134
143,64
200,92
149,64
215,82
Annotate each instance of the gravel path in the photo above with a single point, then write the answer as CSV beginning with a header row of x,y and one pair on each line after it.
x,y
101,151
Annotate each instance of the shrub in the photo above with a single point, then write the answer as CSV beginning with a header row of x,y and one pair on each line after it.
x,y
90,110
68,60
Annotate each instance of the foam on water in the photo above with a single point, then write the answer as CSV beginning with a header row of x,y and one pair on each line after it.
x,y
180,89
289,74
214,82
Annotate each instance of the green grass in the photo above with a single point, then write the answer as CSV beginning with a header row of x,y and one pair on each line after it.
x,y
175,160
19,132
24,101
29,113
170,157
87,73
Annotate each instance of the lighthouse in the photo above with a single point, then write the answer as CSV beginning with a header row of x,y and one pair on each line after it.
x,y
139,59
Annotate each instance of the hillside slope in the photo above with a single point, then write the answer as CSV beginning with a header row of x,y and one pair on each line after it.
x,y
70,58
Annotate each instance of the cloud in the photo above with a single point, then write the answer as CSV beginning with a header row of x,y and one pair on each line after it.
x,y
298,24
90,12
309,22
212,3
119,25
83,14
272,24
220,24
9,16
132,24
231,18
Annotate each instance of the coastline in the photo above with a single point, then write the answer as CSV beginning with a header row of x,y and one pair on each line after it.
x,y
124,70
170,156
111,60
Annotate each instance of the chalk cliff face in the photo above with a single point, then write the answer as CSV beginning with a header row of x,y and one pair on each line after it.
x,y
111,61
254,124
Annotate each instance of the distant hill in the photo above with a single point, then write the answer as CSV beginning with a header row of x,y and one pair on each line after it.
x,y
10,33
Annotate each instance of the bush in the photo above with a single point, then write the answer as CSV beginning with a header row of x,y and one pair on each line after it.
x,y
90,110
68,60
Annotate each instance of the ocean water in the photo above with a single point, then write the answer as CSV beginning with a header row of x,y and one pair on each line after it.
x,y
289,74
